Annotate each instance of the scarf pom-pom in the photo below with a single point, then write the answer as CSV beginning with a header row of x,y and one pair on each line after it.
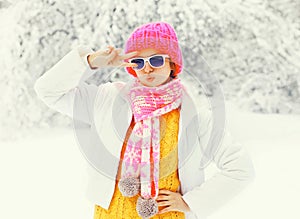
x,y
146,208
129,187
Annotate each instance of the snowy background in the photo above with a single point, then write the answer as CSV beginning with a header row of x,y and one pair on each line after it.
x,y
251,46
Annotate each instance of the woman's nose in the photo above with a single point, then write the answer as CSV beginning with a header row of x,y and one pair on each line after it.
x,y
147,68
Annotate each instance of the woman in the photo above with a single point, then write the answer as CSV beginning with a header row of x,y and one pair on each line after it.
x,y
142,123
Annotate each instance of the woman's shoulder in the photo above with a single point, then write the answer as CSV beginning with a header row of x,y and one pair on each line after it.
x,y
112,90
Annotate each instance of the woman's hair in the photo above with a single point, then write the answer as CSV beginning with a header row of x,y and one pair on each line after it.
x,y
160,36
173,67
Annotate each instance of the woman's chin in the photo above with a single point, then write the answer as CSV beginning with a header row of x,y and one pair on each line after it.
x,y
149,83
152,82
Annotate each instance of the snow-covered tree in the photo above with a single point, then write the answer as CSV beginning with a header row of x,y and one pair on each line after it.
x,y
251,47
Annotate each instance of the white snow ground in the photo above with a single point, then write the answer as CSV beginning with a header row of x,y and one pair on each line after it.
x,y
44,176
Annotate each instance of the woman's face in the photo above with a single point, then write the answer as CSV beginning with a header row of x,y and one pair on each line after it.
x,y
152,77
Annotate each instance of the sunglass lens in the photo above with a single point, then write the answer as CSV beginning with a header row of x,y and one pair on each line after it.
x,y
157,61
139,62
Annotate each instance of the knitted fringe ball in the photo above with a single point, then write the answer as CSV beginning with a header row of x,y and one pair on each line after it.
x,y
146,208
129,187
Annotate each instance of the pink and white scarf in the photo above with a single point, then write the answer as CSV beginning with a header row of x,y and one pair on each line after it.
x,y
142,154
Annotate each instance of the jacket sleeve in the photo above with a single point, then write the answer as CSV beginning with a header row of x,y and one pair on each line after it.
x,y
63,87
235,172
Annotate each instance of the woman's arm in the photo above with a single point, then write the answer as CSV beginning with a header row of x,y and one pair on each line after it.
x,y
235,173
58,87
63,87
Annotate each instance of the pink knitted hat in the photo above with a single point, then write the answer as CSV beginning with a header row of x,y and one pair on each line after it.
x,y
156,35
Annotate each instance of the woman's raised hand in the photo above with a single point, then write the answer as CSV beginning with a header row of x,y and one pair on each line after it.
x,y
111,57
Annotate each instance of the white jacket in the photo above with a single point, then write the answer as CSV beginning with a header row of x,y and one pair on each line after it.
x,y
108,114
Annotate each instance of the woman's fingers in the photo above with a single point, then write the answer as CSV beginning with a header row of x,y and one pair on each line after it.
x,y
118,59
164,203
112,57
172,201
109,49
129,55
162,197
164,191
127,64
118,50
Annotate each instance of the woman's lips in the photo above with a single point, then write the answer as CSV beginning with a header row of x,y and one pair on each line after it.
x,y
150,79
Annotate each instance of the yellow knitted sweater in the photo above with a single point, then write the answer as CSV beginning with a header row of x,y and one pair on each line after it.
x,y
125,207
